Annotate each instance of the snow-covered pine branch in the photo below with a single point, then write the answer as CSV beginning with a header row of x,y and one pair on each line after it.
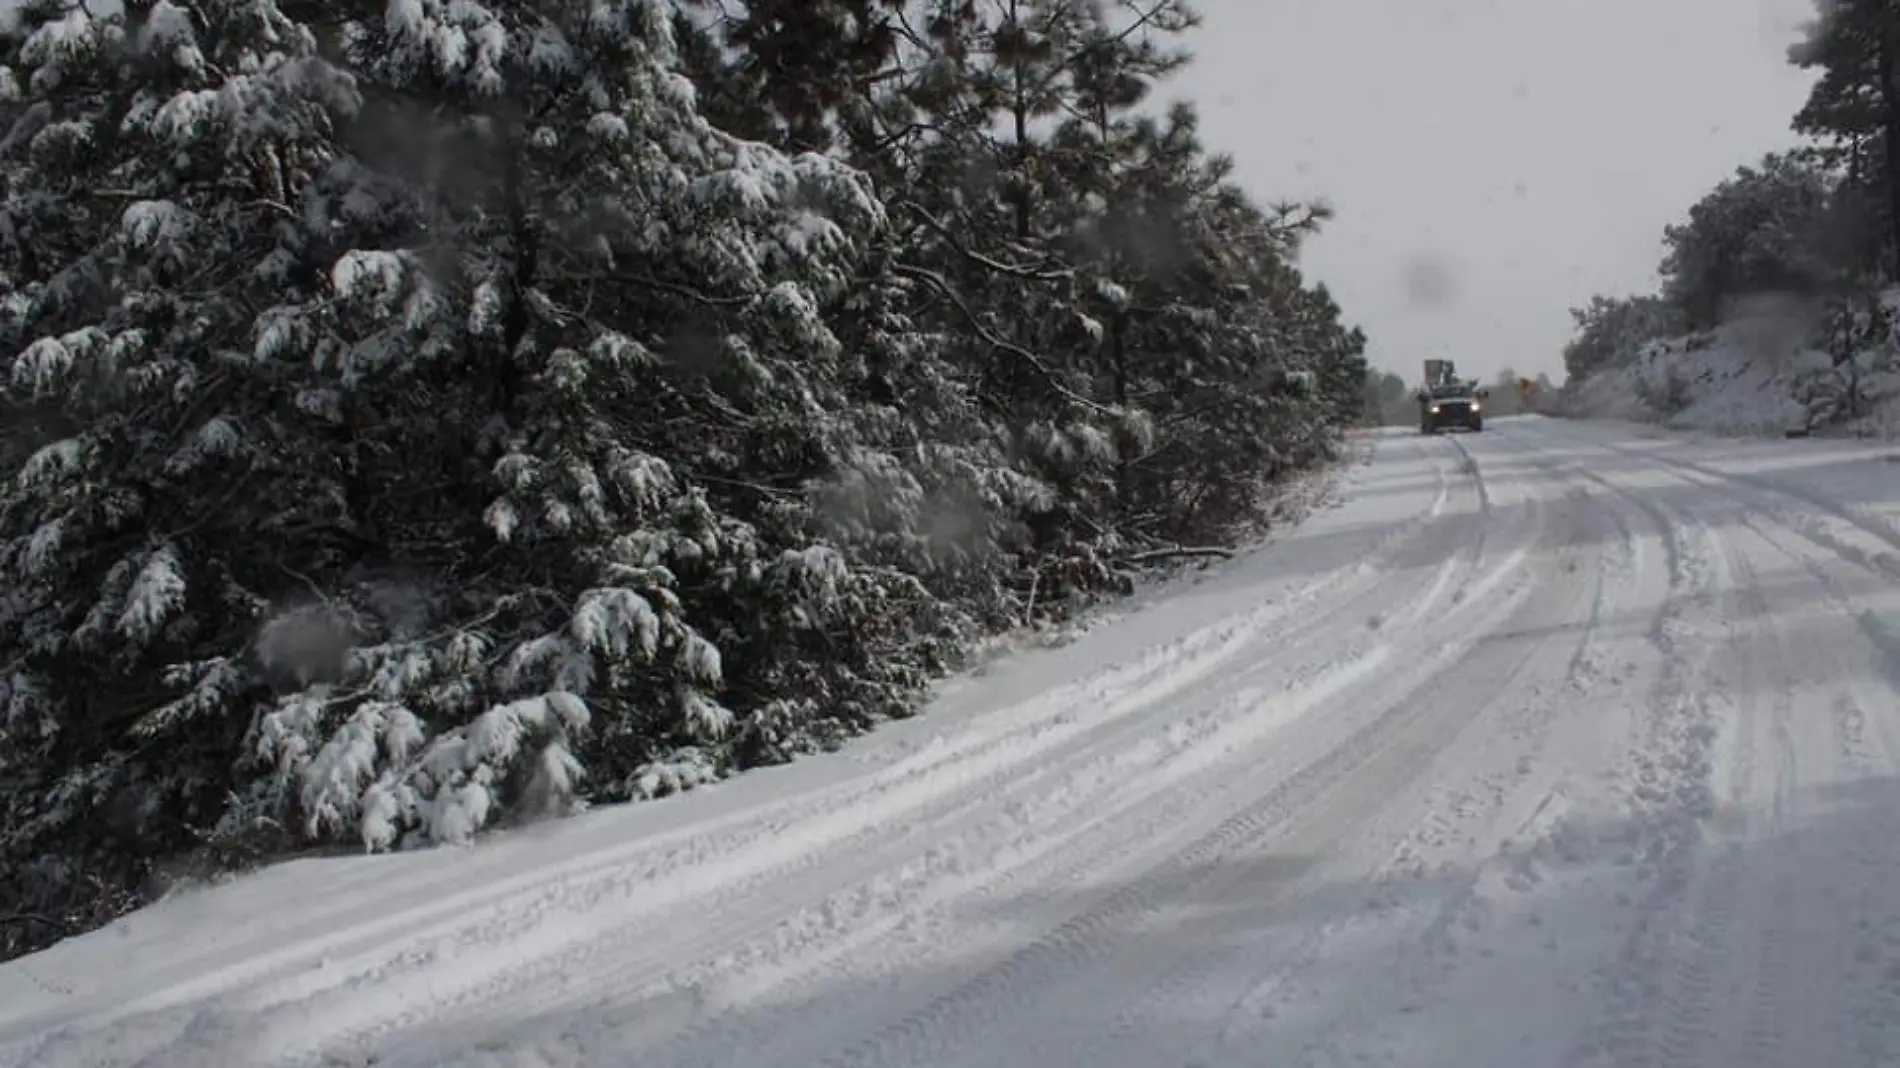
x,y
420,415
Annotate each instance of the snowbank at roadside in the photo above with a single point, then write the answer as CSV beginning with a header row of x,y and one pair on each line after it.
x,y
1763,372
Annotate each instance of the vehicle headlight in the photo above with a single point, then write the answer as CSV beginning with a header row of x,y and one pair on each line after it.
x,y
1436,409
1476,407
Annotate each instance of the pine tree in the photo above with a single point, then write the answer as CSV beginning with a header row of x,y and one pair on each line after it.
x,y
422,414
423,409
1611,330
144,189
806,60
1006,137
1759,231
1854,107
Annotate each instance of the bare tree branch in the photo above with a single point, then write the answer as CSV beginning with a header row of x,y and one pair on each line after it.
x,y
33,917
1153,556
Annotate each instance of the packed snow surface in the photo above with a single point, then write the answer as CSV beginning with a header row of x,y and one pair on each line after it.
x,y
1564,744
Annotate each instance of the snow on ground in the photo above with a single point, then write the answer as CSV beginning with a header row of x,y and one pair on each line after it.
x,y
1745,377
1555,745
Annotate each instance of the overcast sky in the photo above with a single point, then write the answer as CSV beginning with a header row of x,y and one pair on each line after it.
x,y
1494,162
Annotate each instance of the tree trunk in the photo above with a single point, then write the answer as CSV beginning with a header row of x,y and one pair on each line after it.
x,y
1020,112
1118,352
524,251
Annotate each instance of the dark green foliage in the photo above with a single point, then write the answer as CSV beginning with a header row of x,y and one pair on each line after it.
x,y
1760,231
425,416
1611,329
1853,115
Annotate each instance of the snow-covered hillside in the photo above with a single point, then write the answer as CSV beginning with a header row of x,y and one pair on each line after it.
x,y
1761,372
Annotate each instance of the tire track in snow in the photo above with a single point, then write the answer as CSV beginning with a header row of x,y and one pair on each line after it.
x,y
1180,982
1864,1003
518,906
1243,767
1065,825
950,1019
622,869
517,903
1730,885
1886,561
1528,813
1438,585
1671,766
1035,793
1752,959
1063,852
1528,807
943,1023
1182,985
372,987
1132,1023
1765,1025
1674,637
1776,1021
1762,952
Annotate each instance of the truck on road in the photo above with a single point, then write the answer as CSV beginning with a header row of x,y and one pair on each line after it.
x,y
1447,402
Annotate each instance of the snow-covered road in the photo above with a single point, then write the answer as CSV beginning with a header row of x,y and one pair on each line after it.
x,y
1564,744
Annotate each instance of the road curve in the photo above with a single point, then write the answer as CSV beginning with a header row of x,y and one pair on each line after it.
x,y
1560,744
